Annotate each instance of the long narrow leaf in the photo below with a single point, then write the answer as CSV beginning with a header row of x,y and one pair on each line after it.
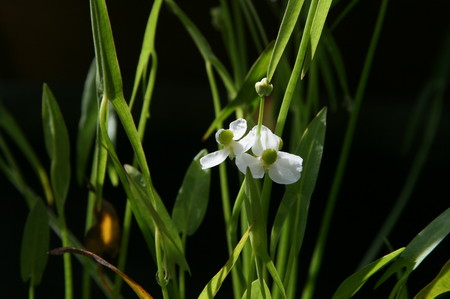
x,y
58,147
192,200
215,283
290,18
35,242
310,148
353,283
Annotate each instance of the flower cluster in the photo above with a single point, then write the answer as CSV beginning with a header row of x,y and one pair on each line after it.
x,y
282,168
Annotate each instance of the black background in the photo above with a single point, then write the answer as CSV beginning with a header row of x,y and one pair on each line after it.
x,y
50,41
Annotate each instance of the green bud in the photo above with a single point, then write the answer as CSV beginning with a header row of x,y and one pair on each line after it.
x,y
269,156
263,88
226,137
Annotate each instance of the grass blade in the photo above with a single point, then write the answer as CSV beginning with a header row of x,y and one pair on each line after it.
x,y
290,18
215,283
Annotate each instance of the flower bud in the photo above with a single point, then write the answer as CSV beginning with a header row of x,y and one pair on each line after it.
x,y
263,87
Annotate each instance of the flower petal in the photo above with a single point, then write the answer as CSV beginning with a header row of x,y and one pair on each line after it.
x,y
238,127
218,134
245,161
287,169
265,140
215,158
245,143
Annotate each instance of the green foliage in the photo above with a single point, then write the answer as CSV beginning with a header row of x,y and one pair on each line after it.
x,y
192,200
58,147
35,244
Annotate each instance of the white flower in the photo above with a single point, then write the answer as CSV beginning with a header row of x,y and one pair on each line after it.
x,y
231,146
283,168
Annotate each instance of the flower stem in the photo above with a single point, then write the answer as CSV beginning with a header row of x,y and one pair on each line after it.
x,y
261,114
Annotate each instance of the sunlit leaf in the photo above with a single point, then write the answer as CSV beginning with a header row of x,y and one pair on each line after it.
x,y
256,291
192,200
35,242
58,147
215,283
439,285
290,18
140,292
310,148
159,214
354,282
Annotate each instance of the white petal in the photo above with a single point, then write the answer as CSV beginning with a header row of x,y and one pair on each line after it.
x,y
265,140
245,143
218,134
215,158
287,169
238,127
245,161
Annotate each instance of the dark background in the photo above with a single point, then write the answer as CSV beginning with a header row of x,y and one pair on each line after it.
x,y
50,41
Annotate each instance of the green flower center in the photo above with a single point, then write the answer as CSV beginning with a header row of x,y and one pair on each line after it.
x,y
269,156
226,137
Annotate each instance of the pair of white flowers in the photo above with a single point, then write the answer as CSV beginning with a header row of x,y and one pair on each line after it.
x,y
282,167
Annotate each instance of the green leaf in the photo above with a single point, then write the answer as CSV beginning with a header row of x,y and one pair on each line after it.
x,y
247,94
172,243
321,9
256,292
87,124
192,200
290,18
215,283
10,126
109,79
352,284
310,148
35,243
138,290
439,285
148,46
58,147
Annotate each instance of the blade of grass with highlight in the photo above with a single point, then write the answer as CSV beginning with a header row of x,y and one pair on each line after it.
x,y
290,18
216,282
439,285
353,283
139,291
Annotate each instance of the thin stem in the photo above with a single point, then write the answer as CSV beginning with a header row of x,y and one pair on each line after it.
x,y
126,228
67,259
316,260
31,291
160,264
